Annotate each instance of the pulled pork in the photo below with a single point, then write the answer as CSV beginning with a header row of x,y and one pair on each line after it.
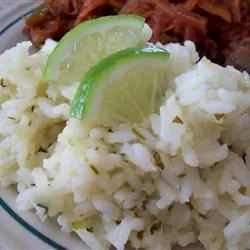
x,y
219,28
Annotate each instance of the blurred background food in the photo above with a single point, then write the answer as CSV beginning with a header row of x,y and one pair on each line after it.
x,y
219,28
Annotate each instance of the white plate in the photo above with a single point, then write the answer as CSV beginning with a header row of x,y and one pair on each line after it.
x,y
23,230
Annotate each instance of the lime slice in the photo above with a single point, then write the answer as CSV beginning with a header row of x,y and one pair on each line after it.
x,y
86,44
123,88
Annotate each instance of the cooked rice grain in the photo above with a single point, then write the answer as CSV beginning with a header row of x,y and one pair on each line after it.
x,y
182,176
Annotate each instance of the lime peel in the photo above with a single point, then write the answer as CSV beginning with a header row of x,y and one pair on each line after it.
x,y
92,40
125,87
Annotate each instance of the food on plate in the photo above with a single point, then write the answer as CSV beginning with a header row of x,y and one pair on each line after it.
x,y
103,36
219,28
180,175
124,88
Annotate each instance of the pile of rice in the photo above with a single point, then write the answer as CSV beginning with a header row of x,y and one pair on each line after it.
x,y
182,176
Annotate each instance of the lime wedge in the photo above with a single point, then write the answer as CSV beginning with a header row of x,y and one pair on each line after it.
x,y
86,44
123,88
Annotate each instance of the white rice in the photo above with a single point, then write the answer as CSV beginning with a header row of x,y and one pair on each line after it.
x,y
182,177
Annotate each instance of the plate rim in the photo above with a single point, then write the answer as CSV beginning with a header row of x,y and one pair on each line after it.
x,y
29,228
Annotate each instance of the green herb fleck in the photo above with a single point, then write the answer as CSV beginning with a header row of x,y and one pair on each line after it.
x,y
177,119
94,169
2,83
156,226
138,134
218,116
157,159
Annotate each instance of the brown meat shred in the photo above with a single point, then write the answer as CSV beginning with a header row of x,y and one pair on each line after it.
x,y
219,28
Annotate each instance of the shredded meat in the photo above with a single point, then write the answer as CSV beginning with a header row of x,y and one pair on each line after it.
x,y
219,28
